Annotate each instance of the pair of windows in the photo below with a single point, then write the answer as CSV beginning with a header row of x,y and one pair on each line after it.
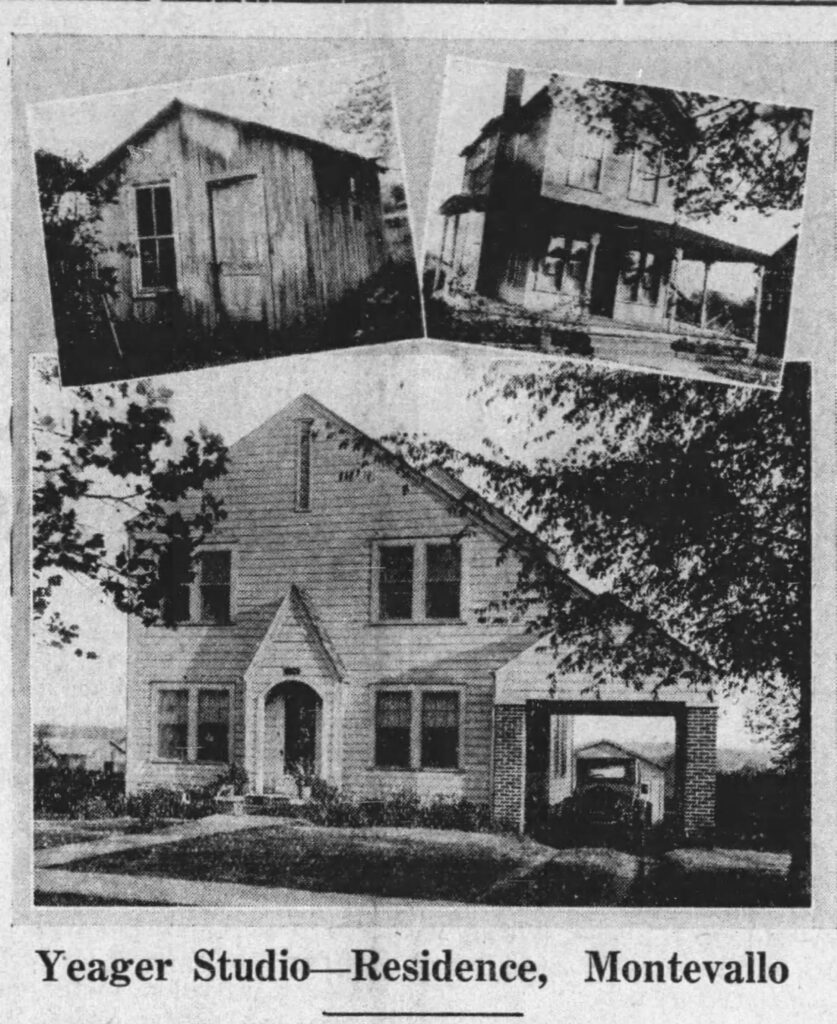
x,y
193,724
641,274
155,237
417,729
565,262
207,596
419,580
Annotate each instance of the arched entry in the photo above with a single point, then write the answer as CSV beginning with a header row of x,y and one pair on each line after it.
x,y
292,736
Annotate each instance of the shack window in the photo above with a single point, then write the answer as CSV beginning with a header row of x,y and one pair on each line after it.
x,y
393,714
155,234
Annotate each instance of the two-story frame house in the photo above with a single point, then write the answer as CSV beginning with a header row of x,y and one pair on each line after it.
x,y
557,216
344,618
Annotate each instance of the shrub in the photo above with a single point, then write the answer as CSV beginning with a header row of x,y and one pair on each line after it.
x,y
456,813
683,345
153,806
76,793
403,809
234,778
573,342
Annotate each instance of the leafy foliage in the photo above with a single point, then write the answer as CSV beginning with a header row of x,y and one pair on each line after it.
x,y
366,111
686,503
719,154
114,453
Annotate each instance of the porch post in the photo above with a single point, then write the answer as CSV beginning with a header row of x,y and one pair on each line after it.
x,y
706,266
438,275
595,239
509,768
757,311
671,291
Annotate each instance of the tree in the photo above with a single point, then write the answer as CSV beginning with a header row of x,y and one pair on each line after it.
x,y
111,460
366,111
689,504
81,286
721,155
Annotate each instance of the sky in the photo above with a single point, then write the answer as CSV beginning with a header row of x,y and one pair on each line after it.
x,y
416,387
295,98
473,93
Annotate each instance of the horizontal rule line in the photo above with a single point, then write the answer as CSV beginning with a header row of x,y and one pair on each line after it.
x,y
330,970
377,1013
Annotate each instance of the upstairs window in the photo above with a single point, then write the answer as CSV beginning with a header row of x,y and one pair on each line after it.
x,y
155,236
585,169
303,466
644,183
201,593
443,581
417,581
439,729
393,719
395,587
215,585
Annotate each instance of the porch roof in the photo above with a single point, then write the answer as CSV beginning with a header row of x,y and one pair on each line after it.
x,y
696,241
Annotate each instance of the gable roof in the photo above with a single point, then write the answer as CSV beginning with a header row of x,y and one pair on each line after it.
x,y
465,501
177,107
619,751
294,606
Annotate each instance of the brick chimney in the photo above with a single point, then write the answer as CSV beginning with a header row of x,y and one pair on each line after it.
x,y
514,91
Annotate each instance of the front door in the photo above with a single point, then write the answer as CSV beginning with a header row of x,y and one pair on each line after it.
x,y
300,730
239,244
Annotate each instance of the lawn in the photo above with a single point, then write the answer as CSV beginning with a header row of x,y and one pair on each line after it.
x,y
464,867
391,862
50,832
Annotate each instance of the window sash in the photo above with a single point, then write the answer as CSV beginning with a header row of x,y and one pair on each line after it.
x,y
644,183
443,581
155,235
395,581
303,466
173,724
440,730
393,726
215,586
213,725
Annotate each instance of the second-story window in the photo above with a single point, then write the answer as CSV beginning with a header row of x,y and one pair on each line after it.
x,y
155,237
418,581
585,170
215,585
645,178
395,582
443,580
201,593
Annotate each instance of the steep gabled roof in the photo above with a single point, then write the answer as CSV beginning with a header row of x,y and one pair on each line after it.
x,y
176,107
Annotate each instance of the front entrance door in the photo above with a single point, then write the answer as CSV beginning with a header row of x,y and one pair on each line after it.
x,y
605,279
239,244
301,729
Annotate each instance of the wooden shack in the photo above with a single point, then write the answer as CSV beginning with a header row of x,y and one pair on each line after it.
x,y
222,223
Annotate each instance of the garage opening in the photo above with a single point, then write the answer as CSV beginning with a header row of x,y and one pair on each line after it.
x,y
602,778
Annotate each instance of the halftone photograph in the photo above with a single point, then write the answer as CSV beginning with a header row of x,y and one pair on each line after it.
x,y
649,227
210,221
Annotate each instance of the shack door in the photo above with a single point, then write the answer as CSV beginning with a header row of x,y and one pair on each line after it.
x,y
239,243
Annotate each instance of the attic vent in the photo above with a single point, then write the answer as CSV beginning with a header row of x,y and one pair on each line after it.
x,y
291,671
303,465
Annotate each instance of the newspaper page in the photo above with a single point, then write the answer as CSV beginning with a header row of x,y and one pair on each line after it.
x,y
420,494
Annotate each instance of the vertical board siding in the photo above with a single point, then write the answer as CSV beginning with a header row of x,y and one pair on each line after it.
x,y
327,553
316,251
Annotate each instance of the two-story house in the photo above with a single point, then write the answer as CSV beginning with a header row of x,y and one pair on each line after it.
x,y
558,216
348,617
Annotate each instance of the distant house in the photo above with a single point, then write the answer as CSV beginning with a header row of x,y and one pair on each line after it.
x,y
223,223
84,748
556,217
608,763
347,621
